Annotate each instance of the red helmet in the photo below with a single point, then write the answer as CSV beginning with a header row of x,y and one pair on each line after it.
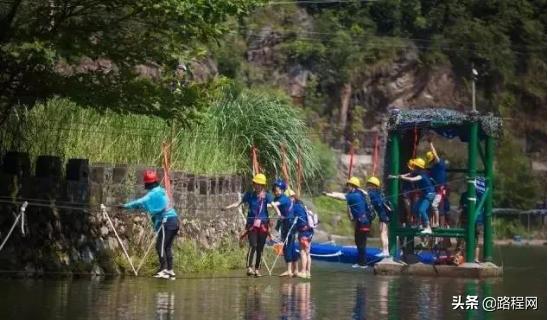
x,y
150,176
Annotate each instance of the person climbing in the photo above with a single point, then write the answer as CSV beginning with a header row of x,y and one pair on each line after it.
x,y
359,213
288,228
256,222
165,220
419,175
438,171
306,222
377,202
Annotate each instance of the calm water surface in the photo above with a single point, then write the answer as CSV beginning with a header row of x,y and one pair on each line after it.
x,y
335,292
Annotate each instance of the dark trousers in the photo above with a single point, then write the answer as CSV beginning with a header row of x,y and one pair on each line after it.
x,y
360,237
257,241
165,241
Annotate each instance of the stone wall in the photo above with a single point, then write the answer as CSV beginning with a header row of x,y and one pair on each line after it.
x,y
66,231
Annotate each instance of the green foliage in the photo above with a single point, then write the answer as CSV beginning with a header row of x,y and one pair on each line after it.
x,y
43,44
516,186
333,215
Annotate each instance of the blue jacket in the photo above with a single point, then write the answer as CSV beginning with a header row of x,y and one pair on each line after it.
x,y
286,206
358,207
438,172
257,206
425,183
155,202
377,201
300,213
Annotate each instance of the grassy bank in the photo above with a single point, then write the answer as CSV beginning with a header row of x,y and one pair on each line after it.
x,y
220,143
189,258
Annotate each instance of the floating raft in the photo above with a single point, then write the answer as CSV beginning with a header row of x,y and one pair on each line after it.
x,y
349,254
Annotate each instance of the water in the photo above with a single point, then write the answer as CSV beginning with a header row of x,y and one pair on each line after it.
x,y
335,292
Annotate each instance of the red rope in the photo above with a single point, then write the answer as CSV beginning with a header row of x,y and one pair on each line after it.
x,y
351,160
299,172
415,142
166,163
376,154
285,171
255,160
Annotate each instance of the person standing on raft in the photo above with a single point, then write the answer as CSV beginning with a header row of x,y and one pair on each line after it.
x,y
376,201
164,218
257,221
359,213
438,172
288,228
419,175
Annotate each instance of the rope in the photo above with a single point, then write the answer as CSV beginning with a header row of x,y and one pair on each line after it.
x,y
105,214
329,255
415,142
285,244
22,212
148,250
351,160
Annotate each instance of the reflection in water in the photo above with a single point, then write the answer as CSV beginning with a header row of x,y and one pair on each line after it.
x,y
165,305
253,307
296,301
360,307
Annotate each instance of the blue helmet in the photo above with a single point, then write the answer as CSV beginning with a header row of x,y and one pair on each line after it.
x,y
280,184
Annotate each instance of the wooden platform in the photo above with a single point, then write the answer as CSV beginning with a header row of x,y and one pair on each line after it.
x,y
466,270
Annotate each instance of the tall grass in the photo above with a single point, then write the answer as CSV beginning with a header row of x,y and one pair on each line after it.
x,y
219,144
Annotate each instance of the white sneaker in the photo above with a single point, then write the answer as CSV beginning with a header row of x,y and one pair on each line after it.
x,y
427,230
355,265
364,267
170,273
382,255
162,275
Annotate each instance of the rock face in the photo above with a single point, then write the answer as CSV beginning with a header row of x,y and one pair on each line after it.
x,y
67,232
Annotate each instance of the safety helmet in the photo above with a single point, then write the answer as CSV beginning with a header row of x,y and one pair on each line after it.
x,y
419,162
259,179
354,181
289,192
150,176
410,164
429,156
374,181
280,184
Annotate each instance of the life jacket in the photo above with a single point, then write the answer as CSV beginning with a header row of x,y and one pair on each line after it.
x,y
312,218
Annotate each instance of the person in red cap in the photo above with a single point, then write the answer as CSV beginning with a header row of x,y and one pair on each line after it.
x,y
156,203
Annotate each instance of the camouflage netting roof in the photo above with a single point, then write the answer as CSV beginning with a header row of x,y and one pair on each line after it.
x,y
446,122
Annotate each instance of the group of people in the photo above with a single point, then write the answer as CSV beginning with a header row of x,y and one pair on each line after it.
x,y
425,192
295,221
364,205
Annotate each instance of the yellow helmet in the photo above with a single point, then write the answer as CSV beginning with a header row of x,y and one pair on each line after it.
x,y
260,179
289,192
410,164
354,181
374,181
429,156
419,162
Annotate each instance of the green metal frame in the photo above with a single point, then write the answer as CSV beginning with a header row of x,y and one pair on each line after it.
x,y
473,208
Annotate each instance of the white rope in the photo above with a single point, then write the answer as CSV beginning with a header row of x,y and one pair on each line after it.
x,y
285,244
105,214
22,212
148,250
329,255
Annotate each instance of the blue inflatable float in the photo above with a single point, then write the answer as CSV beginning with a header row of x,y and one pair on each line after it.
x,y
349,254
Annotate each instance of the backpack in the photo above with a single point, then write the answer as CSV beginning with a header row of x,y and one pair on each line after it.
x,y
312,218
372,212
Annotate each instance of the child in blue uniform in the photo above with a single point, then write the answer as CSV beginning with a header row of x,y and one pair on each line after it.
x,y
257,221
358,213
288,228
438,172
305,226
378,204
419,175
164,218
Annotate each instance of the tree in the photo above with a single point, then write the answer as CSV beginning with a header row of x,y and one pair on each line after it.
x,y
89,49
